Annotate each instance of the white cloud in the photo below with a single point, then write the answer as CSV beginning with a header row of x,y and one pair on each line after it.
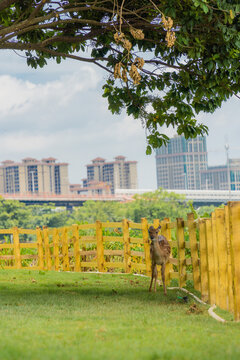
x,y
126,127
13,143
19,96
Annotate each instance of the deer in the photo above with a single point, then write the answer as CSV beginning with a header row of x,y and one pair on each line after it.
x,y
159,252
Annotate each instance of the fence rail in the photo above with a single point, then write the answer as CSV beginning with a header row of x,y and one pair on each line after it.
x,y
206,251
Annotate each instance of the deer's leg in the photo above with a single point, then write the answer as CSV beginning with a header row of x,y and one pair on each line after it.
x,y
155,274
150,287
163,279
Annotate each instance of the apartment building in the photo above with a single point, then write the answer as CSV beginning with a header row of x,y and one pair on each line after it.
x,y
180,162
34,176
92,188
119,174
222,177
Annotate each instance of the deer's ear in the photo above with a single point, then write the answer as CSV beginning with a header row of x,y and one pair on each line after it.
x,y
151,229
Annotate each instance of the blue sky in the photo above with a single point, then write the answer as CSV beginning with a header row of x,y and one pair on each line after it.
x,y
59,111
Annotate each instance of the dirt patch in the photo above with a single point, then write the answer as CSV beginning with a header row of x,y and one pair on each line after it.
x,y
194,309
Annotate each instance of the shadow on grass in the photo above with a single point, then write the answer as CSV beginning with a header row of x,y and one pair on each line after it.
x,y
69,293
60,288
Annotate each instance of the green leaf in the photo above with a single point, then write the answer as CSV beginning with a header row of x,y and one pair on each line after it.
x,y
148,150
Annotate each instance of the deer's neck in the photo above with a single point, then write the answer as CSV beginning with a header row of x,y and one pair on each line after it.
x,y
156,247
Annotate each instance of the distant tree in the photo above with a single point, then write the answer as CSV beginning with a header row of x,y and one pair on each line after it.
x,y
98,210
205,211
167,60
49,215
157,205
14,213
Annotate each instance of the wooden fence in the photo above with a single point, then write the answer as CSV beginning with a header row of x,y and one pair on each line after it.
x,y
206,251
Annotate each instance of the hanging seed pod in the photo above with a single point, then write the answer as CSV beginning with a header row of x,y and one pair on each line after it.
x,y
135,74
117,70
137,33
118,37
139,62
167,23
170,38
170,23
127,45
124,75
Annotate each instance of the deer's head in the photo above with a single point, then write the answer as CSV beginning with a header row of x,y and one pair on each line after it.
x,y
153,233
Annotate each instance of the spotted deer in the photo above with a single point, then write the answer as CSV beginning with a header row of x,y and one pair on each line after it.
x,y
159,252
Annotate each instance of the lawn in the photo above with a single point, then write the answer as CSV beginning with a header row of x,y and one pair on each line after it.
x,y
50,315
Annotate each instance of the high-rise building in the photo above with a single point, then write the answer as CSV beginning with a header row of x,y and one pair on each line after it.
x,y
180,162
119,174
222,177
33,176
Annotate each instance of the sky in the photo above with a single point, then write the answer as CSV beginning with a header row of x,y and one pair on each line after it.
x,y
59,111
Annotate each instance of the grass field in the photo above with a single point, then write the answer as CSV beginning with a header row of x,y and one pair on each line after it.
x,y
47,315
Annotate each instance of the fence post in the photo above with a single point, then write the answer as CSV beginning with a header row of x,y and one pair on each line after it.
x,y
76,245
181,253
66,266
56,249
146,245
234,229
100,248
229,261
166,231
222,258
203,259
194,251
16,245
40,248
127,248
210,263
47,248
215,254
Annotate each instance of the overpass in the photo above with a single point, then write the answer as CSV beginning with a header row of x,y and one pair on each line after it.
x,y
198,197
68,200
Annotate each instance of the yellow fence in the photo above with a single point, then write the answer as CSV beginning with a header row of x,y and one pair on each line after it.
x,y
206,251
219,240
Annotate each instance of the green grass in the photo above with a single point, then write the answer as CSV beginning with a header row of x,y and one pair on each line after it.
x,y
49,315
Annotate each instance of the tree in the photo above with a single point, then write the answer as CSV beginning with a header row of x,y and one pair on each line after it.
x,y
13,213
157,205
99,210
167,60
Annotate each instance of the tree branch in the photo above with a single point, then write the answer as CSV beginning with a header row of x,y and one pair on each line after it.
x,y
6,3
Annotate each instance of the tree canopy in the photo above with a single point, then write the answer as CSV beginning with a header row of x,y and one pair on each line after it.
x,y
167,60
151,205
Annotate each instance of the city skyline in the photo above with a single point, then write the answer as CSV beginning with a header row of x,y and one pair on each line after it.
x,y
59,111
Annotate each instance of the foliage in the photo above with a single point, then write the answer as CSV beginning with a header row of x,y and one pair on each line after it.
x,y
167,60
151,205
14,213
97,210
157,205
48,215
205,211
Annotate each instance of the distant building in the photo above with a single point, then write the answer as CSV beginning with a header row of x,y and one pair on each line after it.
x,y
92,188
216,177
119,174
180,162
33,176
